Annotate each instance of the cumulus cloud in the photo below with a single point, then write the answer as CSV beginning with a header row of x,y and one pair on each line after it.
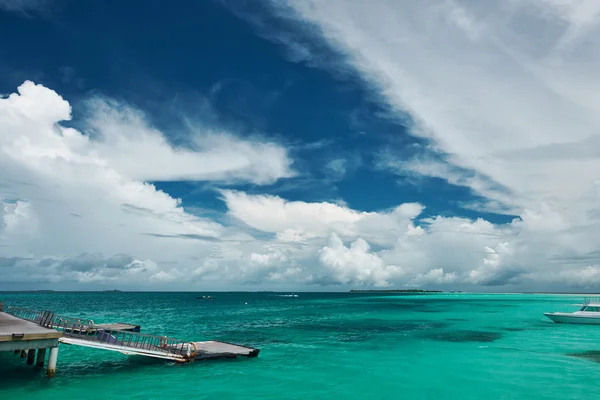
x,y
297,221
401,247
64,193
356,264
439,251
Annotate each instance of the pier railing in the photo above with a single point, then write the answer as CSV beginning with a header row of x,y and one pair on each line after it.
x,y
143,341
23,313
84,329
53,321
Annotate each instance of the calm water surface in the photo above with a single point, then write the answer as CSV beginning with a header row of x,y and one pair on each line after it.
x,y
324,346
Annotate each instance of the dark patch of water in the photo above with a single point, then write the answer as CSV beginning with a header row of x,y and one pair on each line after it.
x,y
464,336
591,355
510,329
365,330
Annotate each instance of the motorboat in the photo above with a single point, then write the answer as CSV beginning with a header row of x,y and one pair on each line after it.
x,y
588,314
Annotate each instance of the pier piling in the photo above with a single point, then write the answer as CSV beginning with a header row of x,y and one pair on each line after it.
x,y
30,356
41,356
52,359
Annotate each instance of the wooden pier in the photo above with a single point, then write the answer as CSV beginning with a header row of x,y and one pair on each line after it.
x,y
28,330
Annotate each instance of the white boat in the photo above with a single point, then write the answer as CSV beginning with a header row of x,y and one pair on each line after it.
x,y
589,314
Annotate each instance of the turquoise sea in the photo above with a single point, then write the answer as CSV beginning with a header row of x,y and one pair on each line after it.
x,y
324,346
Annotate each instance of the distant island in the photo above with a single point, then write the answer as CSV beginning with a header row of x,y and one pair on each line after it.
x,y
394,291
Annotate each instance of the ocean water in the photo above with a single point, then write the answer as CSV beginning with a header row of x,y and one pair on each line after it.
x,y
324,346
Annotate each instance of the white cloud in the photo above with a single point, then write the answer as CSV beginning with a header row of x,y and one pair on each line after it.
x,y
297,221
435,276
141,152
441,251
274,257
511,111
356,265
17,216
487,92
507,95
65,194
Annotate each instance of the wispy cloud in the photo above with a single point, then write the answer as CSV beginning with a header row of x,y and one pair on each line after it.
x,y
336,168
25,7
476,85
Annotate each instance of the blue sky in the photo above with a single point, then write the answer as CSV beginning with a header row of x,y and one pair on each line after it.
x,y
267,144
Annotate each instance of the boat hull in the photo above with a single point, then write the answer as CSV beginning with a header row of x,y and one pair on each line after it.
x,y
566,318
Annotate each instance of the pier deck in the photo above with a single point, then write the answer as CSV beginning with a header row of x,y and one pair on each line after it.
x,y
13,329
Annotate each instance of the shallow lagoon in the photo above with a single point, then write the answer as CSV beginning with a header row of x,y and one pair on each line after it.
x,y
325,345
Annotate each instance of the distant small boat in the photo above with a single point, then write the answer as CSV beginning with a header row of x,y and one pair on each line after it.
x,y
588,314
288,295
205,298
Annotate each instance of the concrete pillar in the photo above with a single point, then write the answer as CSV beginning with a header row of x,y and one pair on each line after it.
x,y
52,359
41,357
23,353
30,356
17,352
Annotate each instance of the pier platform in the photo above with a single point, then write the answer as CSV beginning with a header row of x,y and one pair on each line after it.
x,y
25,337
214,349
22,334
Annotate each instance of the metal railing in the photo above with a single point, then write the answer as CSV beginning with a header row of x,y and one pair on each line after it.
x,y
23,313
50,320
84,329
144,341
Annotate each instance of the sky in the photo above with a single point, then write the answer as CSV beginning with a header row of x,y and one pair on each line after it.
x,y
305,145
